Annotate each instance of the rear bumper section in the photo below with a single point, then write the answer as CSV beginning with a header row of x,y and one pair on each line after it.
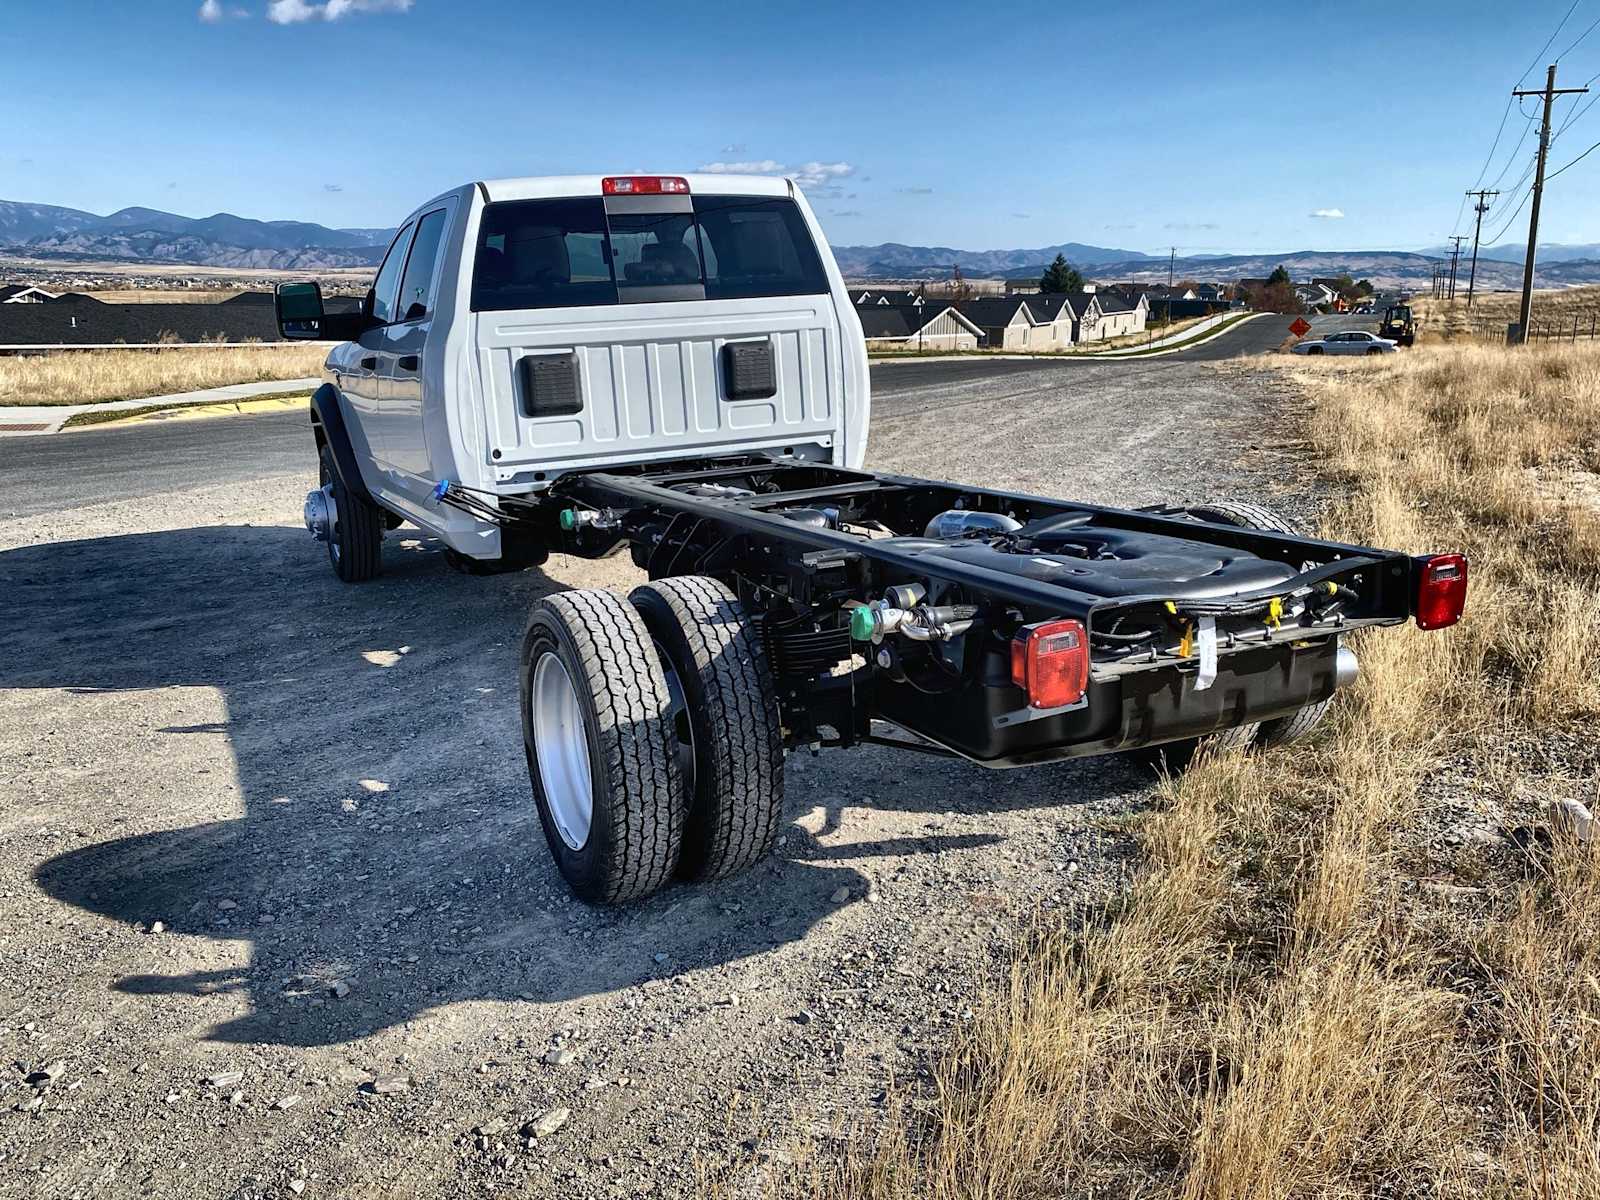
x,y
1142,709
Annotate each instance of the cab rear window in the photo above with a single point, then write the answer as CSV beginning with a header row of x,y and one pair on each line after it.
x,y
567,253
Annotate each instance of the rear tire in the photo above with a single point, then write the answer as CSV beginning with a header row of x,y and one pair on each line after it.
x,y
729,723
597,731
1315,350
355,543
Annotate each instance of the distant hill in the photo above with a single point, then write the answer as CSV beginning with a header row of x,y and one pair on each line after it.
x,y
151,235
892,260
20,221
1512,252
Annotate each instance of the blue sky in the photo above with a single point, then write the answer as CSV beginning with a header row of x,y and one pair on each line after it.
x,y
1217,127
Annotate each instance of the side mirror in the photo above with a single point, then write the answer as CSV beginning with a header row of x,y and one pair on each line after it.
x,y
299,309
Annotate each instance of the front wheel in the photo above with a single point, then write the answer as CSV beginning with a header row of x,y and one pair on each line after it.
x,y
351,525
597,731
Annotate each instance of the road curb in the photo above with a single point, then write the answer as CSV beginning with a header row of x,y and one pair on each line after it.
x,y
35,420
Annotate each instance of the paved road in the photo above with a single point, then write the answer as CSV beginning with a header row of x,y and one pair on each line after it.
x,y
89,466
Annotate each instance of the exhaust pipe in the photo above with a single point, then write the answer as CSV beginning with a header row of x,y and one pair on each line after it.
x,y
1345,667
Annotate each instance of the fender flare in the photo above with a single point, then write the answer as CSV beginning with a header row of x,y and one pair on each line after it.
x,y
328,425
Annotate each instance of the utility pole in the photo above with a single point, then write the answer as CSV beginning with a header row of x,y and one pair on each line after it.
x,y
1477,230
1172,260
1549,92
1455,259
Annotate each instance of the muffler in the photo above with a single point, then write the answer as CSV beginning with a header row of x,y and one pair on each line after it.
x,y
1345,667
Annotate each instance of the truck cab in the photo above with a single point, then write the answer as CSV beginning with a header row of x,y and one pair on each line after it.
x,y
520,329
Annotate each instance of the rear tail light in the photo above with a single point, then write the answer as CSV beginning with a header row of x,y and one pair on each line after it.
x,y
644,185
1050,662
1441,593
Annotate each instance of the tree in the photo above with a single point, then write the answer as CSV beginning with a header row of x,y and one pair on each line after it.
x,y
1278,276
1276,297
1058,277
1364,288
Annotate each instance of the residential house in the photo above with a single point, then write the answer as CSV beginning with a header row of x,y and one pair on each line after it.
x,y
1008,322
1314,295
920,326
18,293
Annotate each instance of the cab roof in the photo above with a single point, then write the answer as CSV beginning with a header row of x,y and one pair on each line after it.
x,y
538,187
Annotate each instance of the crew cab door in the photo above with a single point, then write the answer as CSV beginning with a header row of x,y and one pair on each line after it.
x,y
403,355
360,372
641,326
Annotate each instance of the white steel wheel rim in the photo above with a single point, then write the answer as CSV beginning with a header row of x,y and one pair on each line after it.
x,y
561,747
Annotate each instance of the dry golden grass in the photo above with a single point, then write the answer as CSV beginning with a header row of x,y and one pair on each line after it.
x,y
87,376
1554,311
1305,993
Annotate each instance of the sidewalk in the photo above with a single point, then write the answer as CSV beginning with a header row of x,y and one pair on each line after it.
x,y
25,421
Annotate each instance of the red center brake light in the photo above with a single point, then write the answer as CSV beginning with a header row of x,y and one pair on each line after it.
x,y
1050,662
1441,590
644,185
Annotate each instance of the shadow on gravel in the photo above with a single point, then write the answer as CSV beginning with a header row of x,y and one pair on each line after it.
x,y
386,834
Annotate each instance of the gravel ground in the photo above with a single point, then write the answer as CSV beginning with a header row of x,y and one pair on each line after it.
x,y
276,916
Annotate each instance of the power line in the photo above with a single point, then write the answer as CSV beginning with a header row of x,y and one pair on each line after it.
x,y
1549,41
1549,93
1506,112
1480,208
1574,162
1593,26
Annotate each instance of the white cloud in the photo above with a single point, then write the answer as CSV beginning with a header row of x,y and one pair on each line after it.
x,y
915,191
333,187
290,12
811,175
765,167
211,11
1328,214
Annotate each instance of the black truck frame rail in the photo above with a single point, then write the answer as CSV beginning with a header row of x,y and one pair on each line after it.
x,y
805,545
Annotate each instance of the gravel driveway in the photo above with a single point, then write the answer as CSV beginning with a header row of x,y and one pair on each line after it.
x,y
276,916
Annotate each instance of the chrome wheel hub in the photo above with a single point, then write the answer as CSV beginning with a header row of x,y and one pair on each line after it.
x,y
562,749
321,512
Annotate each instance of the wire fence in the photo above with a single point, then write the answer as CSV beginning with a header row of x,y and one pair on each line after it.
x,y
1579,327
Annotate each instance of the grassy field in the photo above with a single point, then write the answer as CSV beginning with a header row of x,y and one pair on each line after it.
x,y
1335,975
87,376
1553,314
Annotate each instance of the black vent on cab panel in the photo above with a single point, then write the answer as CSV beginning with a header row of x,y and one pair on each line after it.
x,y
549,385
747,371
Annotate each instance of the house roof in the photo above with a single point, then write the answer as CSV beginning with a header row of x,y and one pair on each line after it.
x,y
1110,302
87,324
881,321
992,312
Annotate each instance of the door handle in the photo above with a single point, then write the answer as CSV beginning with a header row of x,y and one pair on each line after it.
x,y
408,362
370,363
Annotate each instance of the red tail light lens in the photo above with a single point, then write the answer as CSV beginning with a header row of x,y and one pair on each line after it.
x,y
1441,590
1050,662
644,185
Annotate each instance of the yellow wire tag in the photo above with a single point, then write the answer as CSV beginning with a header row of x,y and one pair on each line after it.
x,y
1186,645
1275,612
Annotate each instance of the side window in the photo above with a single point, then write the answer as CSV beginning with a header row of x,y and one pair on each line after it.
x,y
388,281
416,289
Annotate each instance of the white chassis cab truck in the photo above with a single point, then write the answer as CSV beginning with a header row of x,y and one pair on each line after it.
x,y
670,365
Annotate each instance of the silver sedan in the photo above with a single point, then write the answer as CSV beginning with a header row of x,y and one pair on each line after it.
x,y
1354,341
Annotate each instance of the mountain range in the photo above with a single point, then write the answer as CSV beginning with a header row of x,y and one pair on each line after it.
x,y
149,235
